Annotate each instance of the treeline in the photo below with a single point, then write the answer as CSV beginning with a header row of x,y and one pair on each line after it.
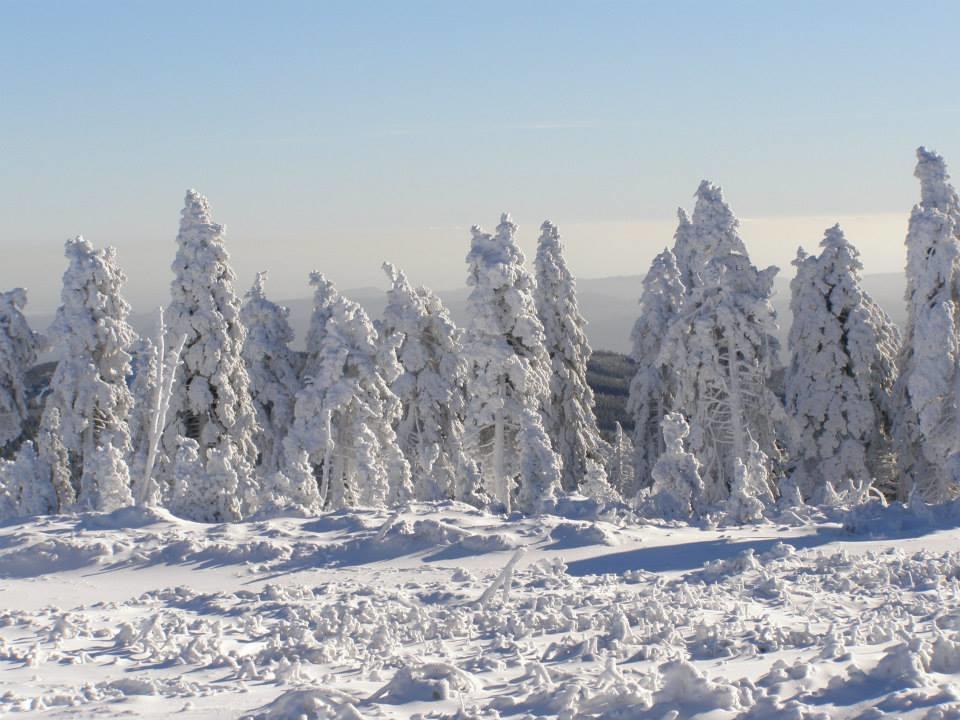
x,y
218,419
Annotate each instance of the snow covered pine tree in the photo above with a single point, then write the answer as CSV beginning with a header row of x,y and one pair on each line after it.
x,y
211,396
18,353
431,389
723,348
344,414
509,369
654,387
839,383
927,428
274,370
568,413
92,339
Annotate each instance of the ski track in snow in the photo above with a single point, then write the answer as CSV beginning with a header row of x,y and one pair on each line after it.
x,y
375,614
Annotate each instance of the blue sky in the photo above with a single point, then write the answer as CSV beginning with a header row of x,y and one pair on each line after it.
x,y
336,135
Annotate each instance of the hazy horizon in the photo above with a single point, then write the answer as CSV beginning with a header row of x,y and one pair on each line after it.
x,y
339,135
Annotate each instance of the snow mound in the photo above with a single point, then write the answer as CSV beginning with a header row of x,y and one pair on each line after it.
x,y
576,534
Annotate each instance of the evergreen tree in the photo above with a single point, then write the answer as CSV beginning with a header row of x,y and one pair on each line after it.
x,y
540,470
431,390
18,353
620,464
273,369
105,483
509,367
653,388
569,417
839,383
677,490
723,348
25,488
344,415
55,460
750,490
143,388
211,400
92,339
928,390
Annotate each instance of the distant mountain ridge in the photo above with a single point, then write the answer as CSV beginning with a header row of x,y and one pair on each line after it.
x,y
610,305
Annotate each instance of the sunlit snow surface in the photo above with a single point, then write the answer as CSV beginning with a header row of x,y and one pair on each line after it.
x,y
369,614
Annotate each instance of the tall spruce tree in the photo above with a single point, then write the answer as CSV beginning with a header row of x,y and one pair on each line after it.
x,y
344,414
842,370
211,400
509,369
18,353
92,340
928,390
569,417
274,370
431,389
654,386
723,348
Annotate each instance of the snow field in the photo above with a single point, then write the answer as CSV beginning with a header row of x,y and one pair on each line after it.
x,y
370,614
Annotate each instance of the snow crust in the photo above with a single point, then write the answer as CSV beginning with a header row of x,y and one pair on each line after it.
x,y
444,611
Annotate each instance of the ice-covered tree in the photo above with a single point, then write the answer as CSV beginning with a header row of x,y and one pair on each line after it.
x,y
92,340
568,413
654,386
839,383
723,348
509,369
596,484
18,353
211,400
55,458
928,390
274,370
712,232
431,389
677,490
143,388
540,469
105,483
25,487
344,414
750,490
620,463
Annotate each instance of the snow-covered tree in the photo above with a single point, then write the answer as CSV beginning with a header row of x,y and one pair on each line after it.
x,y
56,460
105,483
344,414
509,369
597,485
18,353
211,400
723,348
928,391
144,363
293,489
842,370
750,490
620,464
540,471
92,339
653,388
25,487
677,490
568,413
712,232
187,472
431,389
274,370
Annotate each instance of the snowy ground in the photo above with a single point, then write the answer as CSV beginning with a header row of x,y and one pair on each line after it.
x,y
366,614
